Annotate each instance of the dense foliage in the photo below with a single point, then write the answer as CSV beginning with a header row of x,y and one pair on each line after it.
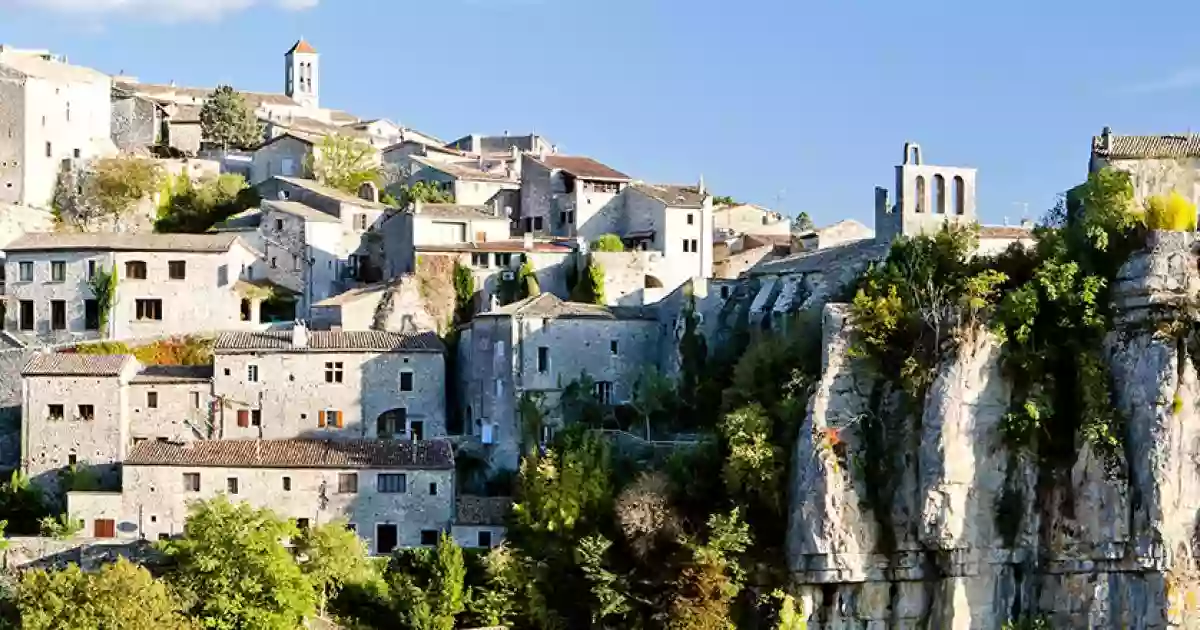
x,y
425,192
182,350
228,121
608,243
107,189
344,163
194,207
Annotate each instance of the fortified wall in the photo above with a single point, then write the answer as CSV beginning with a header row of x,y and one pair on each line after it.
x,y
952,548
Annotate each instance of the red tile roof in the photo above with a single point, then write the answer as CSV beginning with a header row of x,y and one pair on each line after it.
x,y
329,341
303,47
295,453
497,246
72,364
583,167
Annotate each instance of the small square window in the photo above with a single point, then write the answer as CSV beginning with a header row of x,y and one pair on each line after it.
x,y
302,524
278,225
25,271
164,536
55,412
429,537
691,219
612,347
406,381
287,484
72,459
152,400
351,527
177,270
58,271
252,373
231,485
87,412
347,483
243,418
191,482
485,539
391,483
433,488
334,372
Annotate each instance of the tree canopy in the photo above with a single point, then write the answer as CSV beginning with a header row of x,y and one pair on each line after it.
x,y
227,120
120,596
344,163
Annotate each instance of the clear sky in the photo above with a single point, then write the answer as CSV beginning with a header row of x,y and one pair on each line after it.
x,y
796,104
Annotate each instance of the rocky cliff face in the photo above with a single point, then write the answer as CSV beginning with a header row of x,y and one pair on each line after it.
x,y
968,533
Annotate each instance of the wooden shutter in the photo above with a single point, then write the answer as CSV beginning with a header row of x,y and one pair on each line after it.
x,y
104,528
243,417
339,419
321,419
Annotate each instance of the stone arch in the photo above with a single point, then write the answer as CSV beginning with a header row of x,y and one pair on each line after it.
x,y
919,206
939,194
392,424
651,282
960,195
912,153
368,191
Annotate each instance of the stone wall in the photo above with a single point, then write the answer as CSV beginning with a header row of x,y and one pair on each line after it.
x,y
88,553
971,533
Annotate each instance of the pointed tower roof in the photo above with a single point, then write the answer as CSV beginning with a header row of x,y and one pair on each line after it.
x,y
302,46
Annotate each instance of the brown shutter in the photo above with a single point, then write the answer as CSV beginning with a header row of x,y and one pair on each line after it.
x,y
320,418
339,419
243,417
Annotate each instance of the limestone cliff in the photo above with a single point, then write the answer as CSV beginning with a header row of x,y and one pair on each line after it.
x,y
970,533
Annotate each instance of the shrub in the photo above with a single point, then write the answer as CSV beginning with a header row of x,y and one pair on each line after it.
x,y
1172,212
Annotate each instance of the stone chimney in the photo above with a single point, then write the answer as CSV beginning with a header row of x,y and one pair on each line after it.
x,y
299,335
527,242
1106,139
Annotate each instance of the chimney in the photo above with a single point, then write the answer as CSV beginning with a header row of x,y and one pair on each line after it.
x,y
299,335
700,188
1106,139
527,244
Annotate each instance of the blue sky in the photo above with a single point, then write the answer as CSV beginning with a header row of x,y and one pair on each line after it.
x,y
797,104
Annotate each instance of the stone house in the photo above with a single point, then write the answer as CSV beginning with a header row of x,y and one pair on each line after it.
x,y
539,346
50,112
495,265
476,144
477,181
674,220
1157,165
927,197
286,155
395,306
88,410
167,284
138,123
570,196
393,494
844,231
747,218
330,385
479,520
404,232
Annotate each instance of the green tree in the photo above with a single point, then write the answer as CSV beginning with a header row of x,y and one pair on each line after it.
x,y
344,163
232,563
62,527
117,184
228,121
589,288
195,207
708,584
23,505
567,486
332,556
527,280
447,587
104,287
495,601
120,596
610,600
802,223
755,465
428,586
425,192
608,243
724,200
464,293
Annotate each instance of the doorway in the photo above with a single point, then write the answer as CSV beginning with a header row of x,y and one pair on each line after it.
x,y
385,539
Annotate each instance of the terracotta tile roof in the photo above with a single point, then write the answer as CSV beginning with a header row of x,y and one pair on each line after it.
x,y
672,195
468,170
477,510
583,167
174,374
303,47
297,209
551,306
72,364
296,453
1148,147
329,341
1005,231
45,241
457,211
498,246
330,193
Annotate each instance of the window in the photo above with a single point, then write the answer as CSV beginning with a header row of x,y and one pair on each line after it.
x,y
164,536
91,315
391,483
612,347
695,248
243,417
177,269
351,527
25,271
691,219
406,381
191,482
360,221
54,412
330,419
58,271
231,485
480,259
26,315
256,417
686,244
49,147
333,371
295,263
58,315
149,310
385,538
135,270
77,152
195,400
604,392
390,423
252,373
433,488
302,524
278,225
104,528
485,539
724,293
287,484
87,412
417,432
347,483
543,359
537,223
503,260
274,263
72,459
429,536
152,400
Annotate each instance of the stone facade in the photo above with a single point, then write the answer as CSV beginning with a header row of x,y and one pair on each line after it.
x,y
137,122
395,306
50,111
189,285
285,155
747,218
927,198
329,384
435,225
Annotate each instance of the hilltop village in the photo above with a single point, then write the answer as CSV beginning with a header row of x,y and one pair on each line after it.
x,y
213,292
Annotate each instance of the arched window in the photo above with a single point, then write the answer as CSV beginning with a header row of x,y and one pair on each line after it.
x,y
960,195
920,205
939,194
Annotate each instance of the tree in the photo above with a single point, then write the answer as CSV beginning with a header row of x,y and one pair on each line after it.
x,y
446,588
589,288
707,585
104,286
428,586
527,279
425,192
332,556
802,223
344,163
568,486
120,596
227,120
116,184
723,200
608,243
194,207
232,563
494,603
610,601
23,505
464,292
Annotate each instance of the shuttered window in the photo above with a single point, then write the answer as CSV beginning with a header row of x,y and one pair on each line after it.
x,y
330,419
243,417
